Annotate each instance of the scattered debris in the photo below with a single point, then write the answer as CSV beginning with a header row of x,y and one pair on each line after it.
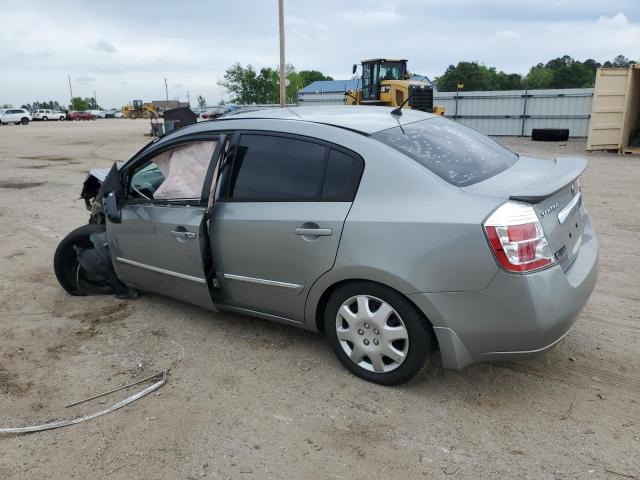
x,y
625,475
567,413
120,404
114,390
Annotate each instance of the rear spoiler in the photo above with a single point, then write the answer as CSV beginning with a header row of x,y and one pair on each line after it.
x,y
566,171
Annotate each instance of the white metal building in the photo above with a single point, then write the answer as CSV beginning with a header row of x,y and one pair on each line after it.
x,y
509,112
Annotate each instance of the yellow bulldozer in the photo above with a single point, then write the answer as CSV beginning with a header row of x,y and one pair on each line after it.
x,y
137,109
386,82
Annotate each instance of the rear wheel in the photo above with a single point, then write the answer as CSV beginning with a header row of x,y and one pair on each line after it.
x,y
44,119
24,121
376,333
72,277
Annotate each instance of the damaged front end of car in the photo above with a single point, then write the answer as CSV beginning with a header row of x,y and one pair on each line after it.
x,y
82,262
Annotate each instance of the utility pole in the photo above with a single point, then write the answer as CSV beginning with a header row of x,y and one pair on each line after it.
x,y
188,98
95,99
283,91
70,91
166,89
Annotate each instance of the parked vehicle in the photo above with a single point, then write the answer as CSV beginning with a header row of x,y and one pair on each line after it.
x,y
98,113
45,114
220,110
393,234
75,115
15,115
113,113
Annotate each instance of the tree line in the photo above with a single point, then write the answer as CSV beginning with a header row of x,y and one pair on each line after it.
x,y
246,85
561,72
77,103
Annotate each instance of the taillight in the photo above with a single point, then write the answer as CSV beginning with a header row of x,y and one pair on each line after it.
x,y
517,239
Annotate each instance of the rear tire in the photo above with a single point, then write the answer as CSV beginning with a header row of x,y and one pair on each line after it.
x,y
66,266
24,121
44,119
377,318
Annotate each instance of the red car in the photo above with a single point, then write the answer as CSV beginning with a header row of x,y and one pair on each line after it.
x,y
73,115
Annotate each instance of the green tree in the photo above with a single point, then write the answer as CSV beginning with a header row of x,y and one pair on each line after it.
x,y
472,75
310,76
539,77
202,102
507,81
570,73
6,105
621,62
296,83
79,104
246,86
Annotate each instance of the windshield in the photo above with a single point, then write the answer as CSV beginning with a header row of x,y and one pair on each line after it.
x,y
458,154
390,71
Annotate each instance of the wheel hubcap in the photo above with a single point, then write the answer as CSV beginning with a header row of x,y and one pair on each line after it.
x,y
372,334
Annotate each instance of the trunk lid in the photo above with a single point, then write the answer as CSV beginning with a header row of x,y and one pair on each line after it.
x,y
551,187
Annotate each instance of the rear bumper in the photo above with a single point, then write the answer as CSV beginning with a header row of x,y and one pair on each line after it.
x,y
516,316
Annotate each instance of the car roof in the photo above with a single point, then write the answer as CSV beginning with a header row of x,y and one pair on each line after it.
x,y
363,119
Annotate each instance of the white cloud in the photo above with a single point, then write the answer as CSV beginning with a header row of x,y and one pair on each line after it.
x,y
104,46
618,20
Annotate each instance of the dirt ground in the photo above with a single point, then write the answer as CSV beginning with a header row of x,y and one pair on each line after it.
x,y
251,399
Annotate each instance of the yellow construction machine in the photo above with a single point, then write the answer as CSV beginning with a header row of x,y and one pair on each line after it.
x,y
386,82
137,109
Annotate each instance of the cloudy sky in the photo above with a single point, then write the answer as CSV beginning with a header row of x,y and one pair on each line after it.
x,y
124,49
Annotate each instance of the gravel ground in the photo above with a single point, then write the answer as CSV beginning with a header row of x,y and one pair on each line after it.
x,y
251,399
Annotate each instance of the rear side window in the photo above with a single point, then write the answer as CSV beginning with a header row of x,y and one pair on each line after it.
x,y
458,154
342,177
271,168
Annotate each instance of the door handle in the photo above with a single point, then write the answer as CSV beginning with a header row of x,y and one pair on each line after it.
x,y
313,232
182,234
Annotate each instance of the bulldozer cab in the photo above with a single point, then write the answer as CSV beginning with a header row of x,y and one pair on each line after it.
x,y
375,71
137,105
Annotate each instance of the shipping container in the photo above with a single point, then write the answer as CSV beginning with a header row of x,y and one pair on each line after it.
x,y
615,115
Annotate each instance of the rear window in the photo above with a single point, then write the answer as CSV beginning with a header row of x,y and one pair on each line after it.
x,y
458,154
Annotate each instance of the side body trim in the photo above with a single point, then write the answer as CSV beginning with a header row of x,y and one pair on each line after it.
x,y
261,281
161,270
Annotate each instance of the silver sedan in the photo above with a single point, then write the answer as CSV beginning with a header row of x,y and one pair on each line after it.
x,y
396,235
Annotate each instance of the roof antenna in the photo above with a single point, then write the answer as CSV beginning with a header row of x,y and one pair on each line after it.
x,y
398,110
